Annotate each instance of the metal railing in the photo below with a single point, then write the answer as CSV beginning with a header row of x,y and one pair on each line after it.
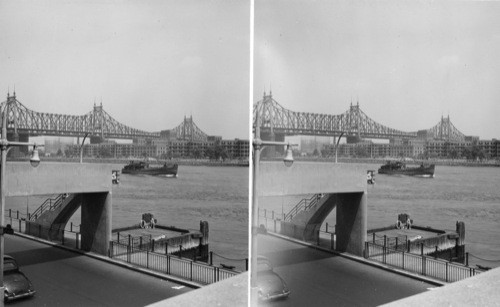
x,y
67,236
48,205
304,205
170,265
419,264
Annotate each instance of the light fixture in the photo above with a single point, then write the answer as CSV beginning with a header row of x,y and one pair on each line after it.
x,y
288,160
35,158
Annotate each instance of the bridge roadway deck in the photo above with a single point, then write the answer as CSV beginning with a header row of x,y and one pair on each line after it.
x,y
65,278
318,278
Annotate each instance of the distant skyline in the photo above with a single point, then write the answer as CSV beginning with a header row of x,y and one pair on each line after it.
x,y
407,62
150,63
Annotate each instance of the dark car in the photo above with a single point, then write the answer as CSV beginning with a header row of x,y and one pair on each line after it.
x,y
270,285
16,284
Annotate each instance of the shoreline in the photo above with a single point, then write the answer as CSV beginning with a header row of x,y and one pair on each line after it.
x,y
381,161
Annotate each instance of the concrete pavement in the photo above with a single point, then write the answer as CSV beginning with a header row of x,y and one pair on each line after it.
x,y
318,278
65,278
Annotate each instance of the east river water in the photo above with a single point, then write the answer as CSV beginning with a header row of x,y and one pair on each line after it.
x,y
218,195
468,194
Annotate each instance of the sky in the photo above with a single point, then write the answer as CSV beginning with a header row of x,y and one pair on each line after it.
x,y
407,62
149,62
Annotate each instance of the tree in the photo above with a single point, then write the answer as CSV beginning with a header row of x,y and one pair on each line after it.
x,y
59,152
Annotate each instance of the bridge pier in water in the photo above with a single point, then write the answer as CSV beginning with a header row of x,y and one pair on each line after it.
x,y
342,186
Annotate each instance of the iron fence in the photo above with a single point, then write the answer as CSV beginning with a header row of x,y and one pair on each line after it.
x,y
169,264
419,264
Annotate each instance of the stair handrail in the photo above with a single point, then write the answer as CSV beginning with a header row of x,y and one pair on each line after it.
x,y
52,203
303,205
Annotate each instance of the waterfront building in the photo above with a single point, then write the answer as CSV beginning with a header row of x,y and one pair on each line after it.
x,y
164,149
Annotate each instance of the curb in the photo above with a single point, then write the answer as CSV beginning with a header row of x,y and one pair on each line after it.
x,y
181,281
363,261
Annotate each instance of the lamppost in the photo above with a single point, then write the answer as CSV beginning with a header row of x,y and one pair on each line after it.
x,y
337,145
258,145
5,145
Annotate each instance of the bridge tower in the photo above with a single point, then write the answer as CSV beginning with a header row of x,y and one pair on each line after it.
x,y
98,125
354,124
12,126
268,116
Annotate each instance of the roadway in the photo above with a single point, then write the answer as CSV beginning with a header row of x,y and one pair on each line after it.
x,y
319,278
65,278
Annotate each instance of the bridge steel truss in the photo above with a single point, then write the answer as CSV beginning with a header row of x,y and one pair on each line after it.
x,y
97,122
275,119
188,131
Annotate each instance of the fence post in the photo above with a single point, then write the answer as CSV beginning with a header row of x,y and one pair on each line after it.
x,y
403,262
326,227
10,212
274,225
408,244
436,253
191,269
166,248
180,251
423,265
71,226
62,236
467,259
396,243
373,237
447,271
246,264
168,264
77,240
421,249
129,239
19,225
128,253
331,241
147,259
211,258
153,245
215,274
140,242
385,249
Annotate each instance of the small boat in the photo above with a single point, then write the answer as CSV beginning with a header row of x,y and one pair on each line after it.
x,y
141,167
400,168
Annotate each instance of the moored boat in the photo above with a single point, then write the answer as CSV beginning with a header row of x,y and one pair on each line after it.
x,y
141,167
400,168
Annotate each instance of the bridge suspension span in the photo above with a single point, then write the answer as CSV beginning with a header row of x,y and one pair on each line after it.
x,y
275,119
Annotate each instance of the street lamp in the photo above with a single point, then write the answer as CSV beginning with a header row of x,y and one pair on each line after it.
x,y
337,145
258,145
5,145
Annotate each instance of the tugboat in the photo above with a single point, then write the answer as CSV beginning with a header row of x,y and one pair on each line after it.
x,y
141,167
400,168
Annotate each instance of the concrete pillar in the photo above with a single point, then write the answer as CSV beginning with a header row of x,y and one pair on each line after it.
x,y
351,223
96,222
